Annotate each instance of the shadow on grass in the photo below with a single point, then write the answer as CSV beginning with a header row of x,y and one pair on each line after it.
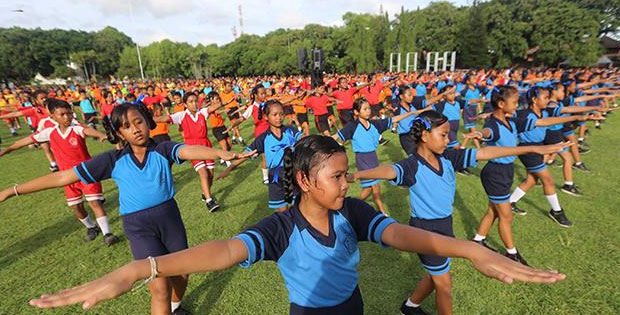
x,y
468,219
206,294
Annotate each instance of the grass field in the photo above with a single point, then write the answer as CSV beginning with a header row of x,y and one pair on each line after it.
x,y
42,250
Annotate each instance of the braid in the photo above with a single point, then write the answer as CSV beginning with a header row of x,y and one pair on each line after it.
x,y
288,180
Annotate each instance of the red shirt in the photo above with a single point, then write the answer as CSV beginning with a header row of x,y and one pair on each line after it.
x,y
150,100
371,93
260,125
318,104
69,148
194,127
345,97
35,114
106,109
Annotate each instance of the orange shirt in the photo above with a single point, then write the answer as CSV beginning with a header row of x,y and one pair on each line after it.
x,y
216,120
160,129
178,108
228,97
299,106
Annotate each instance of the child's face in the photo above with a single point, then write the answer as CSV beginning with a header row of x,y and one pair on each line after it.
x,y
451,95
510,105
407,96
437,139
542,100
134,129
63,116
109,99
192,103
364,111
276,115
177,98
327,183
559,93
216,101
261,94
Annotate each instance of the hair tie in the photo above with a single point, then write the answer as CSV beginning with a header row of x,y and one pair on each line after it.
x,y
425,122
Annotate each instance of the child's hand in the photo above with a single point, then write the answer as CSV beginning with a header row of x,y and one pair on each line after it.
x,y
351,177
5,194
553,148
230,156
473,135
494,265
92,293
224,173
483,116
103,139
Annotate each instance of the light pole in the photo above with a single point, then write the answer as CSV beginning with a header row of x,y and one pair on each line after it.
x,y
137,47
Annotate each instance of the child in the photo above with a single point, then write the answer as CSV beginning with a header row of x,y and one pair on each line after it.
x,y
365,134
472,98
538,99
429,174
272,143
68,143
453,110
89,113
142,171
320,233
160,133
217,124
194,123
229,98
405,97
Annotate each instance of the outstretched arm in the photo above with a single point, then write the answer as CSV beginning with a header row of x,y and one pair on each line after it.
x,y
52,180
384,171
198,152
90,132
492,152
221,254
489,263
16,146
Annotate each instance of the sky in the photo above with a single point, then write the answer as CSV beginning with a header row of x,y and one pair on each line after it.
x,y
192,21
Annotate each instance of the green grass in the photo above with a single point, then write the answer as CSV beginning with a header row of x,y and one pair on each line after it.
x,y
42,251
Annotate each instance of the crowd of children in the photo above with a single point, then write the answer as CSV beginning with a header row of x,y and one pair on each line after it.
x,y
535,115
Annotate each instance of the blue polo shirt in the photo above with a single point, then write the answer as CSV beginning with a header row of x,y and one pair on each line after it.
x,y
431,191
141,185
503,135
273,147
364,139
318,270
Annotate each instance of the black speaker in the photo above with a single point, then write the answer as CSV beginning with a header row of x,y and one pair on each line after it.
x,y
318,60
302,57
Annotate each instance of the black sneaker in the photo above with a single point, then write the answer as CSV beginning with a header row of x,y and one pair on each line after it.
x,y
464,172
234,141
584,150
212,205
110,239
383,141
560,218
581,167
483,243
54,169
517,210
91,234
517,257
571,190
409,310
597,126
181,311
242,143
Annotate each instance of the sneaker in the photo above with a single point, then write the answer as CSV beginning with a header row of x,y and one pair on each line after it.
x,y
383,141
202,196
181,311
110,239
483,243
597,126
551,163
54,169
91,234
560,218
242,143
517,257
464,172
234,141
571,190
212,205
584,150
14,134
266,181
517,210
581,167
409,310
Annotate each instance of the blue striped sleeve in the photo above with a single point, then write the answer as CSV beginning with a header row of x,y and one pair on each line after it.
x,y
255,246
470,158
376,228
175,153
79,170
399,175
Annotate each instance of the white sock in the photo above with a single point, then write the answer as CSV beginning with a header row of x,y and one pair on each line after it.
x,y
568,183
87,222
597,123
578,163
479,237
53,164
13,130
228,164
240,139
103,224
174,305
208,199
579,139
517,195
265,174
411,304
554,202
511,250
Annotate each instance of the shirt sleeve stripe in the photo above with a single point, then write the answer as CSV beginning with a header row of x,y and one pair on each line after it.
x,y
175,152
341,136
77,172
251,247
258,238
88,173
399,175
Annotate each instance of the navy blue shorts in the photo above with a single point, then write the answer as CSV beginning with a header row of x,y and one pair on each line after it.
x,y
352,306
452,134
288,110
232,113
345,115
469,116
155,231
276,190
322,122
367,161
567,130
302,118
330,110
553,137
533,162
497,181
434,265
407,143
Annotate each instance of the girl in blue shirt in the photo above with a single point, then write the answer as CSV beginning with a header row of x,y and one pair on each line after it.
x,y
314,243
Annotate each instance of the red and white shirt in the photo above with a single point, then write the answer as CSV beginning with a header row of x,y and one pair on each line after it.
x,y
69,148
194,126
